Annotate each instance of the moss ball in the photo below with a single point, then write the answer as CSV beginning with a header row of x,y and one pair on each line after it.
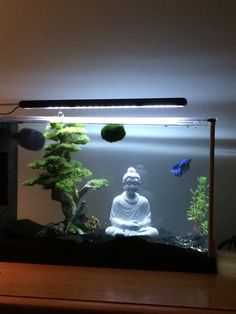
x,y
113,132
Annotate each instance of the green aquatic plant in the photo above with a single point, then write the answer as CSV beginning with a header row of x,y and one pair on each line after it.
x,y
62,174
198,209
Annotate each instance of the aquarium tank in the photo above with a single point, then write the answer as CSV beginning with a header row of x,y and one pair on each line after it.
x,y
113,191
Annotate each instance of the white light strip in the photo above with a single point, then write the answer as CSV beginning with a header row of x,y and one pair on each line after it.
x,y
108,120
109,107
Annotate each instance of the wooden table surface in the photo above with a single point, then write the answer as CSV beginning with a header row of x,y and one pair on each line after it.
x,y
35,288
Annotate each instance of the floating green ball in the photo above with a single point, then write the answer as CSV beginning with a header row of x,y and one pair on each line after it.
x,y
113,132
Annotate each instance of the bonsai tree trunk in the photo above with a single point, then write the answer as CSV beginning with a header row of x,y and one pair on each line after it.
x,y
68,204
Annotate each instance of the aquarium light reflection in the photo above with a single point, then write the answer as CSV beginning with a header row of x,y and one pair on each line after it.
x,y
129,120
104,103
165,121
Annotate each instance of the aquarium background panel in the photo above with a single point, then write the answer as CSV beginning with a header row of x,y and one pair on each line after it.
x,y
152,150
34,202
4,175
8,173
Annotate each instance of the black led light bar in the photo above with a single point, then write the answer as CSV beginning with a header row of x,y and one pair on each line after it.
x,y
104,103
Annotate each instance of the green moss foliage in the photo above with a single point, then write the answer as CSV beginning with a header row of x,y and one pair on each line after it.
x,y
60,173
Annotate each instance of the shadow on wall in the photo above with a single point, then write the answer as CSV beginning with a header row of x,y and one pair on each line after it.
x,y
225,191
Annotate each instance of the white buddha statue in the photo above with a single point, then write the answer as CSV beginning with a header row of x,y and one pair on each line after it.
x,y
130,213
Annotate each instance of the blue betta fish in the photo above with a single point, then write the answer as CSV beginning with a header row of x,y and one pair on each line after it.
x,y
180,167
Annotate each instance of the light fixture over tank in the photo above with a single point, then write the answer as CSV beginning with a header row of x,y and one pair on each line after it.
x,y
104,103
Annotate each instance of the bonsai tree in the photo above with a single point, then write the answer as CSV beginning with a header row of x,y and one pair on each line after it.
x,y
61,174
198,209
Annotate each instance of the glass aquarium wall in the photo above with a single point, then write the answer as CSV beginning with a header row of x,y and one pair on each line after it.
x,y
103,181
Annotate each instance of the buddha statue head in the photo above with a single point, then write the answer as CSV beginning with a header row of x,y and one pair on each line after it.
x,y
131,182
